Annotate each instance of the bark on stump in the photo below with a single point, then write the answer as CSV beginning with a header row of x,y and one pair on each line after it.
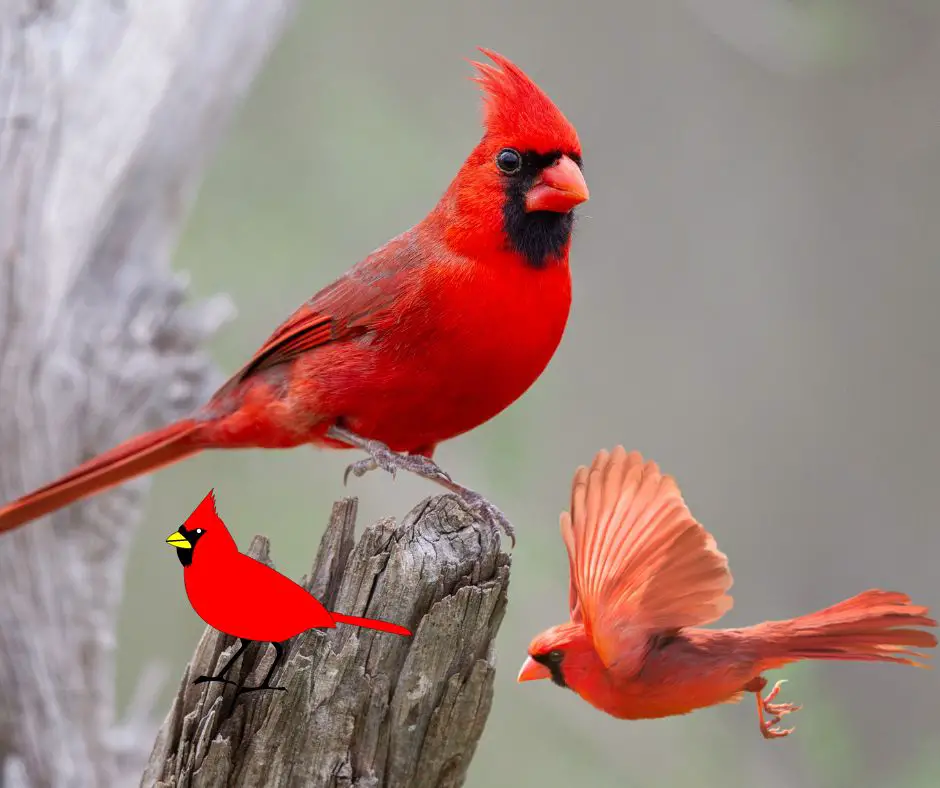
x,y
363,708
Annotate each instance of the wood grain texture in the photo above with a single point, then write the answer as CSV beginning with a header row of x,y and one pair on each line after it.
x,y
363,708
108,114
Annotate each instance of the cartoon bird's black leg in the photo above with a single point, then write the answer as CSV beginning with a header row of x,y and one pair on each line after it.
x,y
220,676
266,685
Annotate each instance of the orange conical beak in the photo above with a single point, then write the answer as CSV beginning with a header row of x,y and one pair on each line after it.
x,y
559,188
532,671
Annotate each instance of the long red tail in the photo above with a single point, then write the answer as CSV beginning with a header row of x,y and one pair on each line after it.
x,y
874,626
370,623
134,457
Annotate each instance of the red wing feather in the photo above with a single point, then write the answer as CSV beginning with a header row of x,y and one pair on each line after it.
x,y
357,302
640,563
304,331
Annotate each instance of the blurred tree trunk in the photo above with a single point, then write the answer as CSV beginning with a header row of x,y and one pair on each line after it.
x,y
108,113
362,708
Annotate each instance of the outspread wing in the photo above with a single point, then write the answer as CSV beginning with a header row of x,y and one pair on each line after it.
x,y
640,563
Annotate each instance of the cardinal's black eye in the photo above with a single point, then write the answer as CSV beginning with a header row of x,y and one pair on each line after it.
x,y
509,161
555,656
199,530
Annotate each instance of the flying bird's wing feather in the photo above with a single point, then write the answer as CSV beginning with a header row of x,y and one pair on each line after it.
x,y
567,534
640,563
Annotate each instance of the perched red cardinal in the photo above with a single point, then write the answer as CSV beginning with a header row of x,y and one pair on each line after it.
x,y
244,598
645,576
426,338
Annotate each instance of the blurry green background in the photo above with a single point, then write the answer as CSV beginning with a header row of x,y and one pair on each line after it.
x,y
755,288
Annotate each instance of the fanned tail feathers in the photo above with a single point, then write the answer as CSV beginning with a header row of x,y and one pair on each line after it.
x,y
874,626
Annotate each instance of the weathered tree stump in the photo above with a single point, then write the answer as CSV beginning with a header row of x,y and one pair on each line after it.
x,y
108,113
362,708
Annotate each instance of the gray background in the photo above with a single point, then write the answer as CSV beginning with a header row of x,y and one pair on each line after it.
x,y
755,280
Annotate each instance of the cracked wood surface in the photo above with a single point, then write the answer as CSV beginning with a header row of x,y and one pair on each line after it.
x,y
363,708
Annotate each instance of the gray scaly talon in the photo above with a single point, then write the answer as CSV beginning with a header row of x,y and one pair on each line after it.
x,y
489,513
380,456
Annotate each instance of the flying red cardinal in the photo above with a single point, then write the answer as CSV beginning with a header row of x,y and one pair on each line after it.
x,y
244,598
645,576
426,338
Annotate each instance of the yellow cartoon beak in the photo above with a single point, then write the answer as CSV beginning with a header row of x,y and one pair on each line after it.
x,y
177,540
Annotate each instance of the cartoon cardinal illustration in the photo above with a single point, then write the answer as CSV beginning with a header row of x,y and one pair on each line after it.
x,y
645,576
425,339
244,598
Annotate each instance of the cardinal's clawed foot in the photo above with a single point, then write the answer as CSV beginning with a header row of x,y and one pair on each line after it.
x,y
380,456
485,510
775,711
